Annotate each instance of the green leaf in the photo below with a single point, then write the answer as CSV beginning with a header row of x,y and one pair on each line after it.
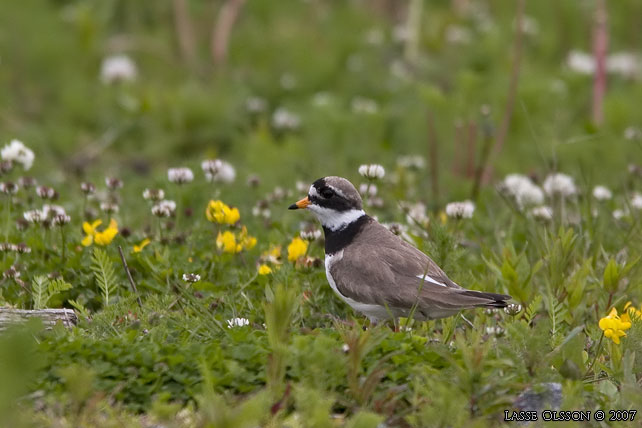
x,y
105,275
611,276
40,291
80,308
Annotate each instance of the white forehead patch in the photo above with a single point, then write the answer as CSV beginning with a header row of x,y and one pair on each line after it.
x,y
313,191
337,191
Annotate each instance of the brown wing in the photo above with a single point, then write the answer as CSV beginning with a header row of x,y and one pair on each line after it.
x,y
391,274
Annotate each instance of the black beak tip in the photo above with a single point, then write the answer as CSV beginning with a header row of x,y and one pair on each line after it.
x,y
293,207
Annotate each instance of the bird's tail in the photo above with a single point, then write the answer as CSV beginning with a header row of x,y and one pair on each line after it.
x,y
492,300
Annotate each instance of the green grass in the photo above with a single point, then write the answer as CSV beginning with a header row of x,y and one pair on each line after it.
x,y
305,359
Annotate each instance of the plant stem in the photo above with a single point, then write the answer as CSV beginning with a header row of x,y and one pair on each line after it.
x,y
600,46
129,276
433,156
222,29
597,353
62,244
8,224
512,87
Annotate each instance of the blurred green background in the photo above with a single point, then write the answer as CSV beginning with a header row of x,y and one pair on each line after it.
x,y
320,60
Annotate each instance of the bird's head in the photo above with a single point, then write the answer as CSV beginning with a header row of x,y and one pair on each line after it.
x,y
334,201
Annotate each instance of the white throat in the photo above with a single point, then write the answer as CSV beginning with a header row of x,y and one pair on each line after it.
x,y
335,220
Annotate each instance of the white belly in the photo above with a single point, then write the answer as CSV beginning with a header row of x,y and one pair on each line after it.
x,y
373,312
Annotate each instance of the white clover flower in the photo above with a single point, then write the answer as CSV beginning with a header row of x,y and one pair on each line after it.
x,y
542,213
218,170
180,175
237,322
109,207
372,171
27,182
8,188
310,234
368,189
559,184
411,162
113,183
51,210
17,152
464,209
164,208
278,194
361,105
23,248
513,309
522,190
258,211
636,201
625,64
602,193
415,213
34,216
153,195
61,219
87,188
118,68
619,214
283,119
191,277
45,192
632,133
255,105
580,62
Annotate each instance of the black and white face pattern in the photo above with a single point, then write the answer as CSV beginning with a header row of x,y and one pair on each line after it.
x,y
335,202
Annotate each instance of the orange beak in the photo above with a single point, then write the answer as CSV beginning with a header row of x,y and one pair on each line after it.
x,y
303,203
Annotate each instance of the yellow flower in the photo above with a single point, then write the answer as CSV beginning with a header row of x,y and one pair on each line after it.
x,y
101,238
265,270
106,236
227,242
272,255
632,311
247,242
219,212
138,248
230,243
90,231
297,248
614,326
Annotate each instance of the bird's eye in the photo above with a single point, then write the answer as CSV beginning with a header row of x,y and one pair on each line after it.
x,y
327,193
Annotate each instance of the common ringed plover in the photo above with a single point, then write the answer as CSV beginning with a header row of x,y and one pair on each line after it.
x,y
376,272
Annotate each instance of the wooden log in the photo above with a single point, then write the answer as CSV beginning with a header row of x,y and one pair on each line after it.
x,y
49,317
